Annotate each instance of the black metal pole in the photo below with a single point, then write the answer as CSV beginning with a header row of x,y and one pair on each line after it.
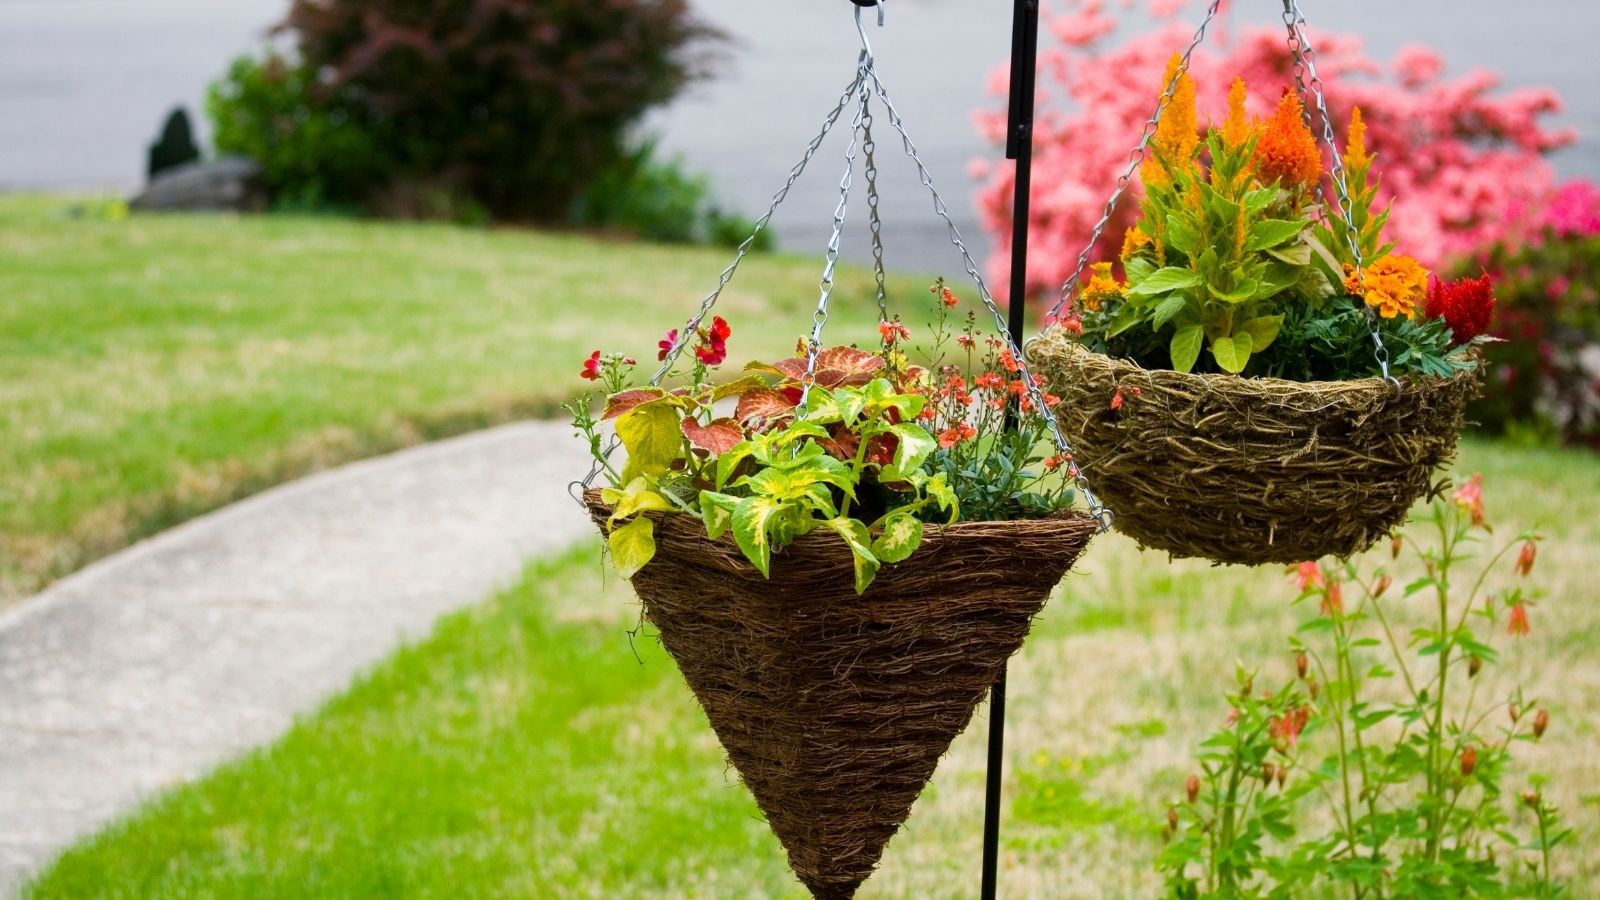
x,y
1019,146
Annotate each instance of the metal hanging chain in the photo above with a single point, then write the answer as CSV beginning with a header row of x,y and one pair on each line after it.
x,y
831,257
1035,393
1134,160
1305,64
874,224
685,335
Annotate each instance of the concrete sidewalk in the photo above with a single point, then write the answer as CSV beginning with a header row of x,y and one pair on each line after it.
x,y
147,669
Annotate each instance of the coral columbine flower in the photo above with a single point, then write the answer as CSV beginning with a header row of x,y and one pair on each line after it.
x,y
1288,726
1332,598
1525,558
1287,153
1355,148
1178,134
1517,624
1237,128
1466,305
1394,285
1470,498
1307,575
1102,286
591,367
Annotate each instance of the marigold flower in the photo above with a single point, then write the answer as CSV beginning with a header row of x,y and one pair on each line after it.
x,y
1286,152
1236,129
1102,286
1470,498
591,367
1517,623
1466,305
1133,240
666,344
1394,285
1525,558
1355,148
893,332
1177,135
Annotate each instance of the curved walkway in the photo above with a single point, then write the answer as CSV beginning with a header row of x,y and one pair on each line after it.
x,y
152,666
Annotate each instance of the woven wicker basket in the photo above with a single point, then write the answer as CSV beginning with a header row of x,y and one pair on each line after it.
x,y
834,707
1251,470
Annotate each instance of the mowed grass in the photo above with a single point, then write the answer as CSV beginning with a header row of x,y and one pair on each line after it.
x,y
523,750
157,367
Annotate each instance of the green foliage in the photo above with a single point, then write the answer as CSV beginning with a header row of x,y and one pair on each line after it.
x,y
1412,781
656,199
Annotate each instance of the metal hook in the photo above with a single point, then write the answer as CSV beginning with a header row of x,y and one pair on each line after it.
x,y
866,45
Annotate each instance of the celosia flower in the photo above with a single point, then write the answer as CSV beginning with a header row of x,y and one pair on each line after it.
x,y
1517,622
1466,305
1394,285
1355,148
1470,498
893,332
955,434
1237,128
591,367
1177,135
1287,153
667,343
1102,286
1133,241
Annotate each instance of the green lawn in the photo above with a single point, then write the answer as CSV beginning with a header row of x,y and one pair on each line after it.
x,y
156,367
523,750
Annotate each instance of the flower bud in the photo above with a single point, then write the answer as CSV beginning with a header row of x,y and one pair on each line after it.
x,y
1514,712
1396,544
1541,722
1469,761
1192,788
1172,818
1531,798
1269,773
1302,664
1283,775
1382,585
1314,689
1474,666
1525,558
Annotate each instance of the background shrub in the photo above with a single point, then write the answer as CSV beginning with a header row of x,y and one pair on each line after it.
x,y
658,200
513,104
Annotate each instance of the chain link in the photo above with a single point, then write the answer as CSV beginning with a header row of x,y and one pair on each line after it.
x,y
1134,160
685,335
874,224
1035,393
1305,63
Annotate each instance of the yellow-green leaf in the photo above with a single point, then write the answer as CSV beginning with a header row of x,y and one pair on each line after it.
x,y
717,510
751,519
1185,347
902,534
638,497
633,545
1232,353
1161,281
859,541
1263,330
651,435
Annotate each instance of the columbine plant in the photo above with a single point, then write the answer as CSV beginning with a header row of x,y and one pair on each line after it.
x,y
1384,732
865,444
1238,264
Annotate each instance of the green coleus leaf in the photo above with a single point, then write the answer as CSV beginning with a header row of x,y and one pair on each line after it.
x,y
1272,232
938,487
821,407
639,496
1232,352
1263,330
752,520
633,545
1166,309
902,534
860,543
651,435
914,447
717,510
880,396
1161,281
1185,348
728,462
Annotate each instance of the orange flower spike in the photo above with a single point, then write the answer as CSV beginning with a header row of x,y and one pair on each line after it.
x,y
1287,152
1355,148
1132,242
1237,128
1102,286
1178,134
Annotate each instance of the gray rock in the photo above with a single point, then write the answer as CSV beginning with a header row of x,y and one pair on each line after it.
x,y
229,184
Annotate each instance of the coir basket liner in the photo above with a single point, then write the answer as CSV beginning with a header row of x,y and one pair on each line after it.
x,y
1251,470
834,707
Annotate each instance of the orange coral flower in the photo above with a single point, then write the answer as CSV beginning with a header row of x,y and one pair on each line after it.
x,y
1394,285
1355,148
1287,152
1237,129
1178,134
1102,286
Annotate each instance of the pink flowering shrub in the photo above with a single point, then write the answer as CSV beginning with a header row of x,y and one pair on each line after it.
x,y
1464,162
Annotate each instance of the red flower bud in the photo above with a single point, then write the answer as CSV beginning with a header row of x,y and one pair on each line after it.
x,y
1302,664
1531,798
1525,558
1283,775
1396,544
1172,817
1192,788
1541,722
1514,712
1269,773
1469,761
1474,666
1382,585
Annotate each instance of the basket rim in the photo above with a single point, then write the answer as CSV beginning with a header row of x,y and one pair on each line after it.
x,y
1209,380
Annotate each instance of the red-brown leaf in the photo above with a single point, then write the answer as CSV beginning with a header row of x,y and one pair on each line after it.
x,y
719,437
847,365
763,404
623,401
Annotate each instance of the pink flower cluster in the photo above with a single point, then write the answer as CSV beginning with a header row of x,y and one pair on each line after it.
x,y
1464,162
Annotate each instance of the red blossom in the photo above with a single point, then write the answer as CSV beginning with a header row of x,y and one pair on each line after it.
x,y
1525,557
949,298
1307,575
1009,360
1333,598
591,367
719,332
1469,761
1073,324
666,344
991,381
965,340
1517,624
894,332
1466,305
1116,399
955,434
1288,726
1470,498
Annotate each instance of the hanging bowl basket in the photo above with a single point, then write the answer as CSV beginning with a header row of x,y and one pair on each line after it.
x,y
835,707
1251,470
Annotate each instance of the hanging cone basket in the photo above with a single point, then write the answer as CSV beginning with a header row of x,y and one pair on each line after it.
x,y
835,707
1251,470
